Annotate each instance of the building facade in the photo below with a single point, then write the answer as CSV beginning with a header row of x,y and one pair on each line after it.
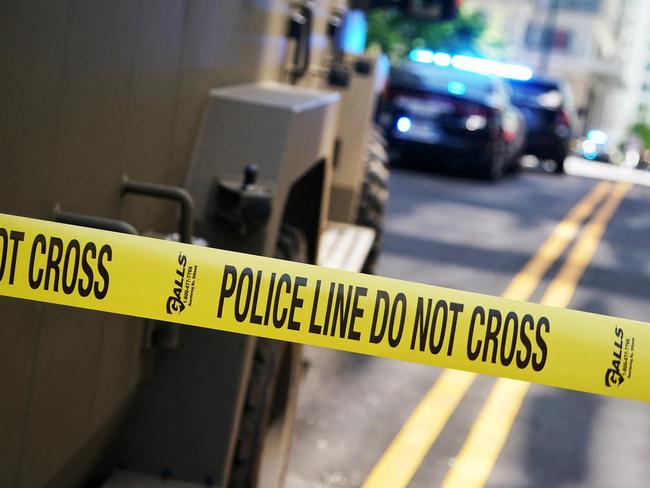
x,y
600,47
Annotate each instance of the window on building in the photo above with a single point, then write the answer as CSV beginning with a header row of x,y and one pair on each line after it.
x,y
585,5
542,37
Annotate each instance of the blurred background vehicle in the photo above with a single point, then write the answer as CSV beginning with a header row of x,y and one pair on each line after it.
x,y
594,146
439,109
550,117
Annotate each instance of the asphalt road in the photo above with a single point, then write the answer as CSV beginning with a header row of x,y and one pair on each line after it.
x,y
473,235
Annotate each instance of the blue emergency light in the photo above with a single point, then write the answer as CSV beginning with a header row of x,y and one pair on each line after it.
x,y
355,32
472,64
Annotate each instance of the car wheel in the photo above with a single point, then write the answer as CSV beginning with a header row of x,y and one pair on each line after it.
x,y
515,164
559,165
268,416
496,161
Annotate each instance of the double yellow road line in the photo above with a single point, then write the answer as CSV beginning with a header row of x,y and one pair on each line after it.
x,y
477,457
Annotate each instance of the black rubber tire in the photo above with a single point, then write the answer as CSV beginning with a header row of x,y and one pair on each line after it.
x,y
496,163
515,166
271,396
559,166
514,162
374,195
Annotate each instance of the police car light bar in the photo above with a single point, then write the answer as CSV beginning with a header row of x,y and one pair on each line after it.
x,y
472,64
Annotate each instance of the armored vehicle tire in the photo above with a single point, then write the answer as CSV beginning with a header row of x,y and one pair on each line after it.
x,y
374,195
266,426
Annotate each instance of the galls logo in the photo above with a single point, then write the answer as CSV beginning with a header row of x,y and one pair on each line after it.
x,y
613,375
175,300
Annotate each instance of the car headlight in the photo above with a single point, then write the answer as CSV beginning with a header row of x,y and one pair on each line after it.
x,y
475,122
403,124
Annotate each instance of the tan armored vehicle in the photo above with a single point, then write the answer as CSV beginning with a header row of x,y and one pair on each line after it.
x,y
238,124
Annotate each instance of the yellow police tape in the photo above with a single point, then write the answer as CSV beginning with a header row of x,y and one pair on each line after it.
x,y
264,297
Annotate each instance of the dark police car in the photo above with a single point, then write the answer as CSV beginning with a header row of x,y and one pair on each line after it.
x,y
548,108
443,112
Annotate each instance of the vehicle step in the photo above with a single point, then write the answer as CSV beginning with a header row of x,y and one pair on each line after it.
x,y
345,246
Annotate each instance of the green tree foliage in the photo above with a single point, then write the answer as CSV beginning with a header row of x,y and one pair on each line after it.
x,y
396,33
643,132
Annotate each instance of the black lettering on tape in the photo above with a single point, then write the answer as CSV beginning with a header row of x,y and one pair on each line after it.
x,y
314,328
421,325
341,312
105,253
436,324
86,289
39,241
527,322
278,322
54,256
395,339
296,301
507,352
357,312
16,238
538,363
245,276
69,286
269,300
473,353
328,312
439,310
492,335
456,309
255,317
382,298
227,290
5,246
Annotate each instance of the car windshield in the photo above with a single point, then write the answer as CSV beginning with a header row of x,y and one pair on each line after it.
x,y
438,79
537,93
